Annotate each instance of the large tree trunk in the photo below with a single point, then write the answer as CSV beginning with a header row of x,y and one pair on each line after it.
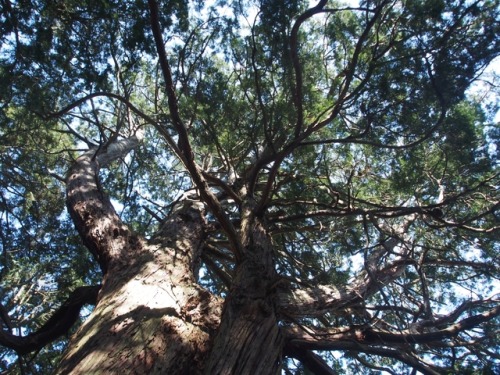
x,y
151,316
249,339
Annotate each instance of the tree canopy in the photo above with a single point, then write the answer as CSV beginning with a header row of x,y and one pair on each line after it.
x,y
350,130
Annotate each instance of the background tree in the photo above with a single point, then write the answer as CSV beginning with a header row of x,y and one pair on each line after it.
x,y
296,187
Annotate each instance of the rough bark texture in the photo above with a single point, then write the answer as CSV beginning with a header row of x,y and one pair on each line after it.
x,y
249,339
151,317
145,321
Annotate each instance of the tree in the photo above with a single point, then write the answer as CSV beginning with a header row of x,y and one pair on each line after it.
x,y
256,187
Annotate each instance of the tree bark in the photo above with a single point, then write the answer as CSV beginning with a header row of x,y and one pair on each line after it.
x,y
151,316
249,340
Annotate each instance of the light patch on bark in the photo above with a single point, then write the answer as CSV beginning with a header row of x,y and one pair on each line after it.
x,y
140,323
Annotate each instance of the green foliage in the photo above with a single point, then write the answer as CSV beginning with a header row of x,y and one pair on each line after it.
x,y
40,262
388,133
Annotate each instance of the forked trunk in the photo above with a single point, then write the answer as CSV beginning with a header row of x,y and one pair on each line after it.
x,y
152,317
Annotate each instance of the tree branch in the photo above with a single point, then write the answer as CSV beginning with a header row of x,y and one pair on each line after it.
x,y
125,101
297,95
186,152
315,301
372,335
57,325
366,339
347,340
312,361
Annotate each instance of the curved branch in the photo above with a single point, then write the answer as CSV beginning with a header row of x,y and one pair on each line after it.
x,y
372,335
383,211
297,339
356,139
316,301
57,325
129,105
351,68
369,340
300,134
369,365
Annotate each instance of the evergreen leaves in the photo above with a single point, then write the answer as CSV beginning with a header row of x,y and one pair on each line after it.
x,y
392,147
